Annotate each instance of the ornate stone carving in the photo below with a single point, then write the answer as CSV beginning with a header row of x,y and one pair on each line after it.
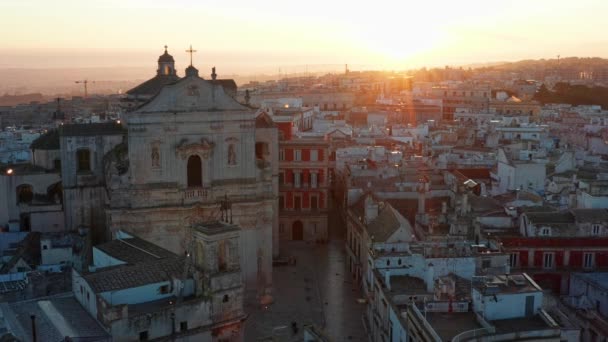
x,y
202,148
155,156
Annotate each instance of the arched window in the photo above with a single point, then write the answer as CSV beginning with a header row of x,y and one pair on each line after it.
x,y
25,193
83,157
195,172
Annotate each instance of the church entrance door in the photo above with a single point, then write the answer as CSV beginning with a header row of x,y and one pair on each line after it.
x,y
195,172
297,231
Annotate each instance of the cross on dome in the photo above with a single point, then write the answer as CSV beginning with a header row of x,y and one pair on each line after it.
x,y
191,51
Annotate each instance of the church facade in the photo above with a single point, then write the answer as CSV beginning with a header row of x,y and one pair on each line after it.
x,y
190,149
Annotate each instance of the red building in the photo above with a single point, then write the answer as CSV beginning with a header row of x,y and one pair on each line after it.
x,y
551,245
303,177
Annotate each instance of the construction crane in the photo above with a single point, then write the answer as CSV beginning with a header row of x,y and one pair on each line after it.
x,y
85,83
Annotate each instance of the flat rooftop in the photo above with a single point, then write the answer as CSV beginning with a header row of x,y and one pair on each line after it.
x,y
505,326
449,324
401,285
512,283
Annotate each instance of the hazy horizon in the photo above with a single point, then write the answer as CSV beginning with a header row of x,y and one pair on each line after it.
x,y
248,38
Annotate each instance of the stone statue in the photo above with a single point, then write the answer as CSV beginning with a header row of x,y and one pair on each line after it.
x,y
231,155
155,157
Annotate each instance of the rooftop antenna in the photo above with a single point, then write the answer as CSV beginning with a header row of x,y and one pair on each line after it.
x,y
85,83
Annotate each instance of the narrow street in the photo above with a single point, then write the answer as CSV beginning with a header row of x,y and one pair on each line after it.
x,y
317,290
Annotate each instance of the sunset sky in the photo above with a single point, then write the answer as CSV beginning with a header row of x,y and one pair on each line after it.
x,y
245,35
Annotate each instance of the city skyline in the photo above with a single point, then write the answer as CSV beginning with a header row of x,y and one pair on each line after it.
x,y
249,38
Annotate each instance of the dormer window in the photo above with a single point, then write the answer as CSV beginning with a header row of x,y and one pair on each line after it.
x,y
545,231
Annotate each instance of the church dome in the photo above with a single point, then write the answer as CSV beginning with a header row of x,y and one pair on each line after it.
x,y
191,71
166,57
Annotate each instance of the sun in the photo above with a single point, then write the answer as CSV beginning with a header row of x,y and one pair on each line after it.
x,y
397,40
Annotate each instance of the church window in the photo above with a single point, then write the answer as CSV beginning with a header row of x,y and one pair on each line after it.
x,y
195,172
83,157
231,154
25,193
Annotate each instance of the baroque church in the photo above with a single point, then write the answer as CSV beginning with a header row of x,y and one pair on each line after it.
x,y
191,153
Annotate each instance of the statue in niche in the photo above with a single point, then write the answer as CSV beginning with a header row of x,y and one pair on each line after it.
x,y
155,157
231,155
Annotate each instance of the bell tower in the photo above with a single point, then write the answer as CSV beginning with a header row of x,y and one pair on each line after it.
x,y
166,64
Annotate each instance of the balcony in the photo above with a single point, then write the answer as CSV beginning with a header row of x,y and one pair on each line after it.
x,y
195,194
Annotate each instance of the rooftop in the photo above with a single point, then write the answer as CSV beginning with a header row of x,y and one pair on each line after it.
x,y
92,129
47,141
407,285
56,318
504,326
597,278
449,324
590,215
146,263
135,250
513,283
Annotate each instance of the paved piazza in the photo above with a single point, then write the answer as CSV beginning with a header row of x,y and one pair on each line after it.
x,y
316,290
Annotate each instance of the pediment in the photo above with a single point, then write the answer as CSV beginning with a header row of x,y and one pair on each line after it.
x,y
202,147
190,94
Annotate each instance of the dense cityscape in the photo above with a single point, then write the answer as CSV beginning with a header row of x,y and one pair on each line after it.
x,y
326,202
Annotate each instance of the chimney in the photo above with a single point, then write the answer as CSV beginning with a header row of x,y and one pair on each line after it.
x,y
387,279
429,278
